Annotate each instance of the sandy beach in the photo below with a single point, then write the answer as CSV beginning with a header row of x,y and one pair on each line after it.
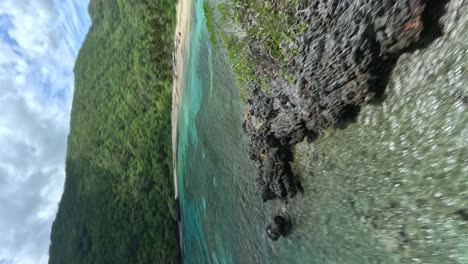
x,y
184,9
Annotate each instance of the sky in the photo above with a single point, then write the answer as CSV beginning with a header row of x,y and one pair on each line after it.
x,y
39,42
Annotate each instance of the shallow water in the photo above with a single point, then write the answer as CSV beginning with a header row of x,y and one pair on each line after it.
x,y
390,188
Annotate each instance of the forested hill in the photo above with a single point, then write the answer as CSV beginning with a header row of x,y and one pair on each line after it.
x,y
118,202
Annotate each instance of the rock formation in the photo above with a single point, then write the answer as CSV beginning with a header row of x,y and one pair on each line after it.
x,y
341,63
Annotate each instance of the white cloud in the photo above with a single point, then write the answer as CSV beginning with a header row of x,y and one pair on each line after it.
x,y
39,41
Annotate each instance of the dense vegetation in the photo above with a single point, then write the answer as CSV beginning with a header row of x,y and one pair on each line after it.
x,y
210,23
118,202
256,35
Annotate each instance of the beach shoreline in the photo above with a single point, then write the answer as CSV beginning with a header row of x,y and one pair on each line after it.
x,y
183,11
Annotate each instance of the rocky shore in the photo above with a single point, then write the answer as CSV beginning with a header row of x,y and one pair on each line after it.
x,y
340,63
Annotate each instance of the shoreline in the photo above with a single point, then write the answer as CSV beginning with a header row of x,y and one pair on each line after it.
x,y
327,84
183,12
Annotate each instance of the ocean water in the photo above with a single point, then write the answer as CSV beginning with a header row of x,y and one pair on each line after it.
x,y
390,188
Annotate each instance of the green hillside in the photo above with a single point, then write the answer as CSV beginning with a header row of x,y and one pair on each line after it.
x,y
118,204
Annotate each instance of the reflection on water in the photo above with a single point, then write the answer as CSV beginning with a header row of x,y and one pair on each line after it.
x,y
390,188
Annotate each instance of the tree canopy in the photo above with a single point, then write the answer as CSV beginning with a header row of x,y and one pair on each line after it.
x,y
118,200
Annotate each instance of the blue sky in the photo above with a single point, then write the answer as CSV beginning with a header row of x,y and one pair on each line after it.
x,y
39,42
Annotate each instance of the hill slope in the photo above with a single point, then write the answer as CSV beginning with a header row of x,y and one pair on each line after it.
x,y
117,205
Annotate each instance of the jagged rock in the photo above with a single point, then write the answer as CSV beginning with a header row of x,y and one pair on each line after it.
x,y
342,59
281,226
341,62
272,232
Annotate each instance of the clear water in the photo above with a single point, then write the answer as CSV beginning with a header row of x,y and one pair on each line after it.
x,y
387,189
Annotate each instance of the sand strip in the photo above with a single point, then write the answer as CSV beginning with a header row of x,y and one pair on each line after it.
x,y
184,12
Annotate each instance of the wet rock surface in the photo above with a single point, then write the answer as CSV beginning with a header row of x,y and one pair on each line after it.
x,y
342,62
281,226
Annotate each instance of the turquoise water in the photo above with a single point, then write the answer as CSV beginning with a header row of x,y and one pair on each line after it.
x,y
221,222
387,189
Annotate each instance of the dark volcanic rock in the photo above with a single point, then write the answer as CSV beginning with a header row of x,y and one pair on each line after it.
x,y
281,226
341,63
348,52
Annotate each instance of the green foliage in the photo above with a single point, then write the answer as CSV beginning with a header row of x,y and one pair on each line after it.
x,y
270,26
118,201
210,22
276,24
240,63
224,11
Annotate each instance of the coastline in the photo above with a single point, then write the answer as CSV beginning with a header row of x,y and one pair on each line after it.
x,y
183,10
